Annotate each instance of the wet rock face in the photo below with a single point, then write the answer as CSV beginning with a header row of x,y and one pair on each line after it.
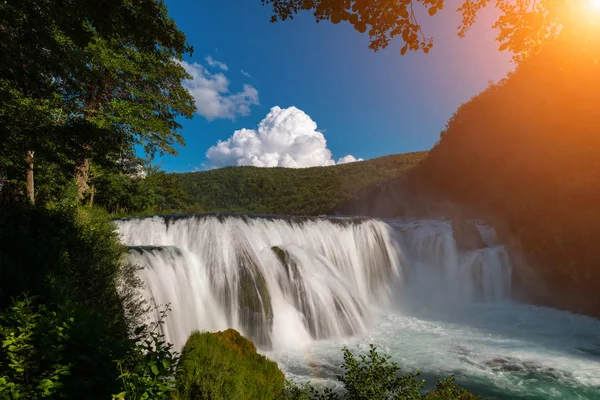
x,y
466,235
294,286
256,313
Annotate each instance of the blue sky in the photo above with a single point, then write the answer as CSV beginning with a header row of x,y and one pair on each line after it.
x,y
365,104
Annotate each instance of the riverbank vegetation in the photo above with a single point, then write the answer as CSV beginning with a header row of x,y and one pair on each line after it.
x,y
67,329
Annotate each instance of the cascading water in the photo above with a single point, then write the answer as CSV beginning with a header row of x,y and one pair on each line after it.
x,y
442,276
282,282
302,287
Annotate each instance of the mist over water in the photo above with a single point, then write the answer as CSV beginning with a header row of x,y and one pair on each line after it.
x,y
301,288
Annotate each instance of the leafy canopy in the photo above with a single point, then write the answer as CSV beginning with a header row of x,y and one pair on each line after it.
x,y
523,26
89,80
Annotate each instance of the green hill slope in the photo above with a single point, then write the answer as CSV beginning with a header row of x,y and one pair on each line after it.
x,y
302,191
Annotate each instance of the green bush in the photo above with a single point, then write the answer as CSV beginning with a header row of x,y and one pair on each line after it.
x,y
32,355
225,365
77,335
373,377
56,354
148,368
70,262
447,389
59,254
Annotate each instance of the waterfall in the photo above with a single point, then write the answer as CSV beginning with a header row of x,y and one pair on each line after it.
x,y
443,276
287,281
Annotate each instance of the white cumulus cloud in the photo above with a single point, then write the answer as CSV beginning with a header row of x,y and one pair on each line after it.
x,y
214,63
212,96
284,138
348,159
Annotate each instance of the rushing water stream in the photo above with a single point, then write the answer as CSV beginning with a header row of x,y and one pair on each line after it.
x,y
301,288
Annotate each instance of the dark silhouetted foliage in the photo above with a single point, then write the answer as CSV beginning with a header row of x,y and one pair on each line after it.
x,y
523,26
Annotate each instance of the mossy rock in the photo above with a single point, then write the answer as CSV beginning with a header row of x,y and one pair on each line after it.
x,y
291,268
294,288
224,366
256,312
281,254
236,342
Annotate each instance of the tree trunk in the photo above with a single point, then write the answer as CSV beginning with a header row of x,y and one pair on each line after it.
x,y
82,172
30,188
92,192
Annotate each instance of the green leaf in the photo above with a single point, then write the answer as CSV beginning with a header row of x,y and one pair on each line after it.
x,y
154,369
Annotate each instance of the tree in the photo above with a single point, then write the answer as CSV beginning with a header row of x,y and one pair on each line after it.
x,y
105,72
523,26
135,95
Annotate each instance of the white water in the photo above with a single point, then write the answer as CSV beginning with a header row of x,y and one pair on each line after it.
x,y
334,274
301,288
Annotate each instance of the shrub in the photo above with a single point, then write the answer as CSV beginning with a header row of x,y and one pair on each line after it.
x,y
225,365
32,358
59,254
447,389
148,369
69,261
374,377
78,334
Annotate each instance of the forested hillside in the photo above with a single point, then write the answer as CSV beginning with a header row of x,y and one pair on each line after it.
x,y
526,152
303,191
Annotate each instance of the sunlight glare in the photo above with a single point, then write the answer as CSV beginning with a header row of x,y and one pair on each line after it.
x,y
595,4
